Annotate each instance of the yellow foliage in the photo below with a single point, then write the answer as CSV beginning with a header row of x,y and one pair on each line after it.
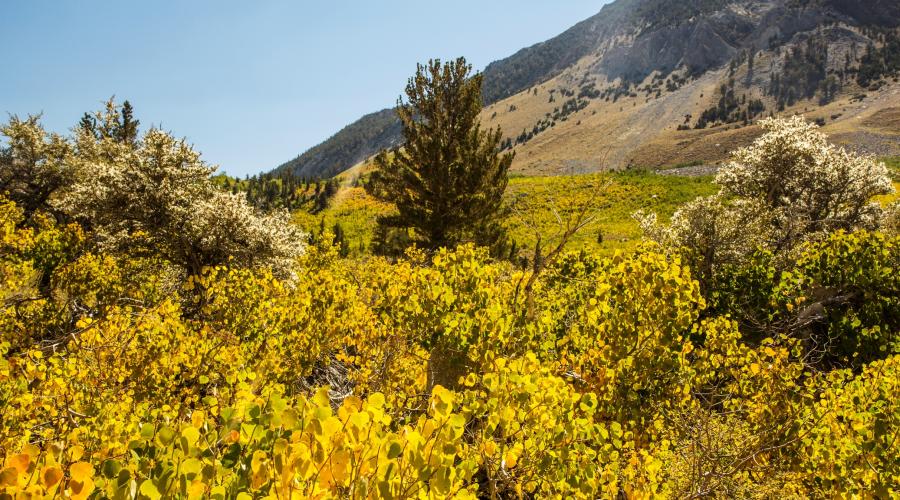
x,y
429,377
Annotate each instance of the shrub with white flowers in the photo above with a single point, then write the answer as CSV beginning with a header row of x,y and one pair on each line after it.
x,y
152,196
158,197
33,166
790,186
811,186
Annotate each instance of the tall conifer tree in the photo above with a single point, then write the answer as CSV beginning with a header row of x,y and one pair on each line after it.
x,y
128,125
447,181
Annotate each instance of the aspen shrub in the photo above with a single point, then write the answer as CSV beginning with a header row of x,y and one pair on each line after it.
x,y
140,362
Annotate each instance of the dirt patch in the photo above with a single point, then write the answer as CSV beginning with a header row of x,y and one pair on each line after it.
x,y
692,171
707,146
870,143
887,119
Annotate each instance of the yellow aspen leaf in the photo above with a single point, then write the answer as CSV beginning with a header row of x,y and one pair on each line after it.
x,y
198,418
81,489
191,466
375,400
331,426
340,462
289,418
441,481
259,460
191,434
50,476
197,489
149,490
429,428
81,470
31,450
321,397
260,474
510,459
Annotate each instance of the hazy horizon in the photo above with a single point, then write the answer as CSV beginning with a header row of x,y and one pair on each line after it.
x,y
250,87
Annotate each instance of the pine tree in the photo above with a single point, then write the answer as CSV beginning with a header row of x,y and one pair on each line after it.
x,y
128,127
447,182
89,124
340,240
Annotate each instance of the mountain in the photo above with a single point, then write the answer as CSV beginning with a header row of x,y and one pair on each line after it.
x,y
662,82
353,144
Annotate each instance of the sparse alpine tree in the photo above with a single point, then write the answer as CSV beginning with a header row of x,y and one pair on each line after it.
x,y
88,124
113,122
128,125
447,182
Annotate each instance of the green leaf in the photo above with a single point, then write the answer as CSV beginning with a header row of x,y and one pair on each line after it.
x,y
165,436
111,468
394,450
191,467
149,490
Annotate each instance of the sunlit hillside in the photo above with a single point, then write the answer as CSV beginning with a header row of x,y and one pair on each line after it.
x,y
163,337
650,83
615,197
640,128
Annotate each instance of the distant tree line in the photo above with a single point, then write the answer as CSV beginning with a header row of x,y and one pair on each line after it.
x,y
880,62
284,190
804,73
730,109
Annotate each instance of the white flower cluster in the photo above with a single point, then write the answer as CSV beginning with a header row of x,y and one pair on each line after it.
x,y
33,165
791,185
807,182
712,230
158,197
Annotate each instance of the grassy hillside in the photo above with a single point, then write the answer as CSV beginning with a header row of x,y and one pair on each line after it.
x,y
616,197
619,195
894,166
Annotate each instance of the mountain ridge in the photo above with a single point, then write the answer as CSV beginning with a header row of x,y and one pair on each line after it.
x,y
619,48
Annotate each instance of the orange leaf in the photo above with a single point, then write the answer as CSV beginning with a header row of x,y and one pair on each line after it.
x,y
19,462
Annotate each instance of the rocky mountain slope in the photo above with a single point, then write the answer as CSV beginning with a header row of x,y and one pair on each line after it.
x,y
665,82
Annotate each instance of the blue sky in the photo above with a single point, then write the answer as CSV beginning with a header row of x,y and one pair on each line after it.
x,y
250,83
